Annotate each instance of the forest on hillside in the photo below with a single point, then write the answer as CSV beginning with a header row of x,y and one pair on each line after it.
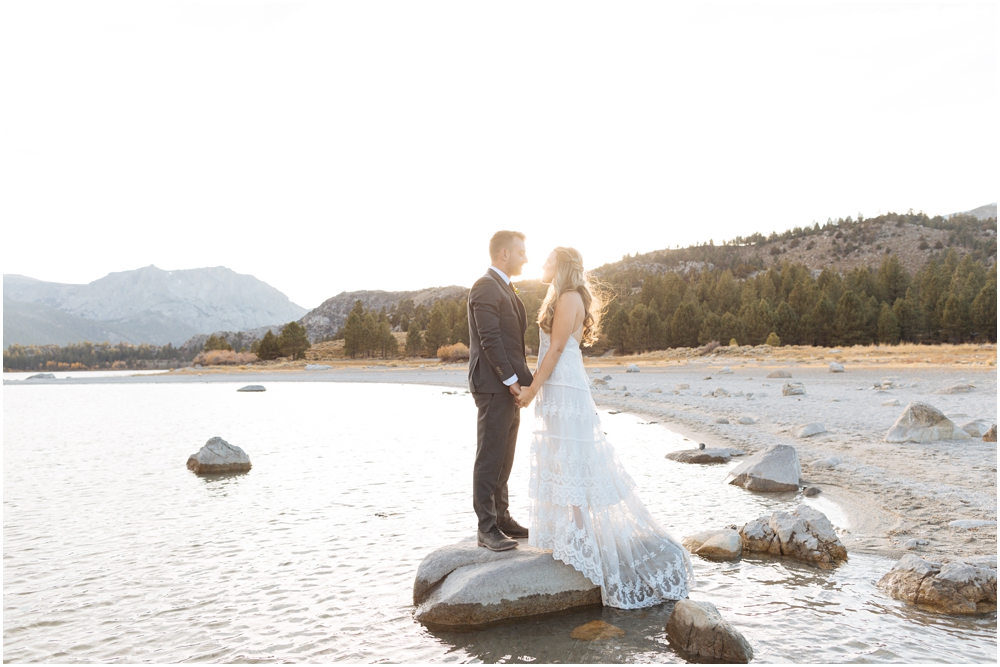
x,y
951,301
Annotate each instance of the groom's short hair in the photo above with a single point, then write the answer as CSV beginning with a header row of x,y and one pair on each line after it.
x,y
501,240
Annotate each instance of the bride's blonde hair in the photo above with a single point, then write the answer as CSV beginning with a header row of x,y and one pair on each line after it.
x,y
571,277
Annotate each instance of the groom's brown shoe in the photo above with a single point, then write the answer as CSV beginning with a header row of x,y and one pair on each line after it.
x,y
512,528
495,540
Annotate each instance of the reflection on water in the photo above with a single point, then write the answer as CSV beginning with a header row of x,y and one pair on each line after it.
x,y
114,551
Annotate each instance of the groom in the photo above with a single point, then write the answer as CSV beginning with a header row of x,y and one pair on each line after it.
x,y
497,369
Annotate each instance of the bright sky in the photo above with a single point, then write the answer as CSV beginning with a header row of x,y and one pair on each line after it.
x,y
331,146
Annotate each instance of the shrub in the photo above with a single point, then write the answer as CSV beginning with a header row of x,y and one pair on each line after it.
x,y
773,340
224,358
456,352
733,343
708,348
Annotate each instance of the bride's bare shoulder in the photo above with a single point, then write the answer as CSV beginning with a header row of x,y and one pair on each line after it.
x,y
571,298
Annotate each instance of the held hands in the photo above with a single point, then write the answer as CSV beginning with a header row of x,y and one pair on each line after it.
x,y
526,396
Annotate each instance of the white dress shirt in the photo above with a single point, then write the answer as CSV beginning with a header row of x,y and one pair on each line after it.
x,y
511,380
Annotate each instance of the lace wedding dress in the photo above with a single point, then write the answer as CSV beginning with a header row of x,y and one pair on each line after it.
x,y
583,504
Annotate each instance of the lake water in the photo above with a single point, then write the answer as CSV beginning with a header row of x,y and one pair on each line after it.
x,y
115,552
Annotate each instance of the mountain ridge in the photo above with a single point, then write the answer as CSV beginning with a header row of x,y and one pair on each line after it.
x,y
145,305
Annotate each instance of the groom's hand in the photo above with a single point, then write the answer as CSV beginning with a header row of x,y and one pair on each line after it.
x,y
515,389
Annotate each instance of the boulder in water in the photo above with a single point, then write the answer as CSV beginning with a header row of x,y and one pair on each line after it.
x,y
774,469
793,389
892,402
463,586
805,534
779,374
318,367
991,435
632,368
252,388
219,457
921,422
698,629
725,370
724,544
962,586
836,368
41,376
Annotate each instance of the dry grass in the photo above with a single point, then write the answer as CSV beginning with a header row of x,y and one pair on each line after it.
x,y
866,355
452,353
224,358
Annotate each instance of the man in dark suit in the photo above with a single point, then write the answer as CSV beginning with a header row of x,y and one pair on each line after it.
x,y
497,369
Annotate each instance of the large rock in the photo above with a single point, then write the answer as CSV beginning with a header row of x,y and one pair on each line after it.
x,y
463,586
41,376
836,368
724,544
924,423
805,534
219,457
698,629
779,374
632,368
793,389
252,388
966,586
774,469
991,435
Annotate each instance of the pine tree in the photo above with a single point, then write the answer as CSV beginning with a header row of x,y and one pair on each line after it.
x,y
819,324
293,341
849,321
414,339
617,330
437,330
217,343
354,331
268,348
685,324
954,320
984,309
888,326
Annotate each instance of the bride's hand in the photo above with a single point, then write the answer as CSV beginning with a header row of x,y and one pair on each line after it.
x,y
526,396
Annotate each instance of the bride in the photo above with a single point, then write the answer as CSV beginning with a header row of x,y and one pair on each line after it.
x,y
583,503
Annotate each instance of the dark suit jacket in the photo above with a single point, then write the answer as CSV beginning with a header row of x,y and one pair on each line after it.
x,y
497,322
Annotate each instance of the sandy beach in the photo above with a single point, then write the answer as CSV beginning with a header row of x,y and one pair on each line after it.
x,y
889,493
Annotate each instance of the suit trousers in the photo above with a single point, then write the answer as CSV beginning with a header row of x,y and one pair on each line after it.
x,y
499,418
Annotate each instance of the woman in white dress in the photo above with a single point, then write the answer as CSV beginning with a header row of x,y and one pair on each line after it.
x,y
583,503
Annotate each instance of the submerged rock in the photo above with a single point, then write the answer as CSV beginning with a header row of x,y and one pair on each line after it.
x,y
811,491
991,435
724,544
779,374
827,463
965,586
921,422
836,368
219,457
594,630
725,370
721,420
700,456
746,421
318,367
774,469
960,388
41,376
793,389
463,586
890,403
698,629
252,387
805,534
632,368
